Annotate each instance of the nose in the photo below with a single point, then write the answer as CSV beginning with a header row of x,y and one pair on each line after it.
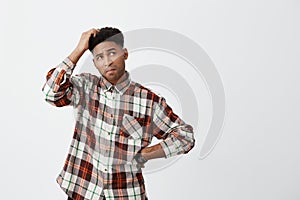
x,y
107,61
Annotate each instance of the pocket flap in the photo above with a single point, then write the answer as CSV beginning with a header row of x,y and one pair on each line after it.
x,y
132,127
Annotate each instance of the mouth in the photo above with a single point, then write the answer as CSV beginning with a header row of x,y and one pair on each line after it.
x,y
110,70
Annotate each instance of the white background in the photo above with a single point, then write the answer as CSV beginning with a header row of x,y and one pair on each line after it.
x,y
255,47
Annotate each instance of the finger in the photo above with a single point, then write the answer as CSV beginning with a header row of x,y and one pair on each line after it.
x,y
96,31
91,32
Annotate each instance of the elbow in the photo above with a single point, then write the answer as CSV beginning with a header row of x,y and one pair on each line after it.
x,y
189,140
57,98
59,102
189,146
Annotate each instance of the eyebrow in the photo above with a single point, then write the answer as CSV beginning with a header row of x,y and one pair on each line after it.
x,y
110,49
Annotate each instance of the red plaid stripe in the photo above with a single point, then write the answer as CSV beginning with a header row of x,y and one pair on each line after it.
x,y
113,124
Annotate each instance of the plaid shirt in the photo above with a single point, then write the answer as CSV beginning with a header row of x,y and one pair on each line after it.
x,y
113,123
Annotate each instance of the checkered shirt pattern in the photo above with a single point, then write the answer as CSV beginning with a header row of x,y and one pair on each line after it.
x,y
113,123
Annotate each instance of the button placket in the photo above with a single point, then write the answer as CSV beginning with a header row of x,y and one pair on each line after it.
x,y
114,98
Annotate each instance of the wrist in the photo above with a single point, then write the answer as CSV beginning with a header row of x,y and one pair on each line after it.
x,y
140,158
80,49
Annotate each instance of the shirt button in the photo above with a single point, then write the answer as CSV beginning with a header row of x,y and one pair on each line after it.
x,y
105,170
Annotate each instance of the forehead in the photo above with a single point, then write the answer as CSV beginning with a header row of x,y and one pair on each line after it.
x,y
104,46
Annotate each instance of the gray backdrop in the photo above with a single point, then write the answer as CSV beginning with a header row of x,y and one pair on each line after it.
x,y
255,48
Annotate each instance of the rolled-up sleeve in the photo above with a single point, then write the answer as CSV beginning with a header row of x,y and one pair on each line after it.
x,y
178,137
62,89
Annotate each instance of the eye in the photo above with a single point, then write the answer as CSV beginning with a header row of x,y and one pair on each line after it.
x,y
99,57
112,53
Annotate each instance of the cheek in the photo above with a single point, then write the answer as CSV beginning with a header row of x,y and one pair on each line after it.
x,y
98,67
120,62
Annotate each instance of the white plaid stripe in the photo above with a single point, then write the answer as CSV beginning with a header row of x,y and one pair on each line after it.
x,y
111,127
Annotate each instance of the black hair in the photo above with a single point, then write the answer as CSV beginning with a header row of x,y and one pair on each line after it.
x,y
107,34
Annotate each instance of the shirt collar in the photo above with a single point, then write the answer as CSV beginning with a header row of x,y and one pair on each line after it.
x,y
121,85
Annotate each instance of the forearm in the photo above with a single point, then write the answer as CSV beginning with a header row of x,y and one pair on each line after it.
x,y
82,46
153,152
76,54
59,87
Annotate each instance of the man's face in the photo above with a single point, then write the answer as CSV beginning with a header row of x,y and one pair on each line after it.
x,y
109,59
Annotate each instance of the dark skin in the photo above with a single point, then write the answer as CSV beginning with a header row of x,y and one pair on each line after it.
x,y
109,59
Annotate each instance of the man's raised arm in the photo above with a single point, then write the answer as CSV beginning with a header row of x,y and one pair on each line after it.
x,y
59,90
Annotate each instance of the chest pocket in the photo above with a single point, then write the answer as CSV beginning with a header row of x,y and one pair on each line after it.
x,y
132,128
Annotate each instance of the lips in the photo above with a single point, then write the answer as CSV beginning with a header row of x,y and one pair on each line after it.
x,y
110,70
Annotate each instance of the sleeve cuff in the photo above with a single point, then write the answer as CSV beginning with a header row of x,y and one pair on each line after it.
x,y
171,147
68,63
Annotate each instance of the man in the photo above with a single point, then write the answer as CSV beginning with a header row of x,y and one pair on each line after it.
x,y
116,121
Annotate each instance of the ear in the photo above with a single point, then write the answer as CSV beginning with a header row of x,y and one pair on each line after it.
x,y
125,54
